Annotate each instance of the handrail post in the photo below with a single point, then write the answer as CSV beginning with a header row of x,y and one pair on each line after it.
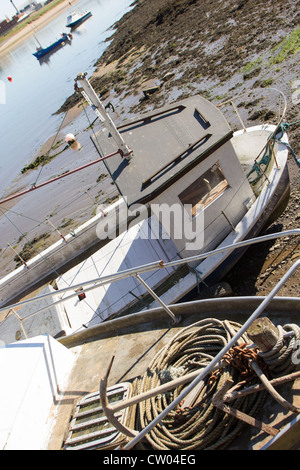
x,y
21,322
175,319
91,97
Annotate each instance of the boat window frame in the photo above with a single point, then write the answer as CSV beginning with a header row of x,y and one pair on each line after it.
x,y
220,185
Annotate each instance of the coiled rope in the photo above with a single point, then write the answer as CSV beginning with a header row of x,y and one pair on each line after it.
x,y
204,426
280,358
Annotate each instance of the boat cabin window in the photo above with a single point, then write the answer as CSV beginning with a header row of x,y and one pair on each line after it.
x,y
205,189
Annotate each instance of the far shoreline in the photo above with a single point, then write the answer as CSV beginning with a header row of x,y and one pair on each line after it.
x,y
16,39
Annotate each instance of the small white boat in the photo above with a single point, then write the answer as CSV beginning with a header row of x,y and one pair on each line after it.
x,y
75,19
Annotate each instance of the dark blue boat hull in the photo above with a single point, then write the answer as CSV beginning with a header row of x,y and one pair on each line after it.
x,y
42,52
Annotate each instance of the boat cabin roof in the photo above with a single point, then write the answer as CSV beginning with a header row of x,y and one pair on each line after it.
x,y
166,144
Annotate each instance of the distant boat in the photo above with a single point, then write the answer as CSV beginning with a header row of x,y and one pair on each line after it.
x,y
75,19
42,51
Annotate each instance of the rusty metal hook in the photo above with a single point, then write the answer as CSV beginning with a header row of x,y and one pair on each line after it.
x,y
109,412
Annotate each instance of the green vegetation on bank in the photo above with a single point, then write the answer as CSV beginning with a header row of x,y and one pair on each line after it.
x,y
37,244
31,248
44,159
288,46
40,160
29,20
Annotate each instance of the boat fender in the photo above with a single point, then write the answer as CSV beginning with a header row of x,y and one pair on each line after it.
x,y
70,138
72,142
81,294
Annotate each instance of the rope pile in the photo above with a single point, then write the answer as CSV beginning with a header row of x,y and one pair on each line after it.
x,y
280,359
201,426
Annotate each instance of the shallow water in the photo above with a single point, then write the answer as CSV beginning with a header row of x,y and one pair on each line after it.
x,y
67,202
39,88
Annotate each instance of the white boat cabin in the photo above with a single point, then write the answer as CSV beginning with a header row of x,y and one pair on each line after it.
x,y
184,173
183,167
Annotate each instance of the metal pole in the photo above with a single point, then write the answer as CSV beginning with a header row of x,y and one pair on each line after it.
x,y
238,115
56,229
216,359
146,268
175,319
232,227
21,322
92,98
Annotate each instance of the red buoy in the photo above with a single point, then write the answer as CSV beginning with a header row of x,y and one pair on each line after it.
x,y
9,78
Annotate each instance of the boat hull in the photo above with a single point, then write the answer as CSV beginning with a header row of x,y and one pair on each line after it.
x,y
79,21
272,211
59,43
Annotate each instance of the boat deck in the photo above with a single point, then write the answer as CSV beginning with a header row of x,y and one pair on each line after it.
x,y
165,145
134,341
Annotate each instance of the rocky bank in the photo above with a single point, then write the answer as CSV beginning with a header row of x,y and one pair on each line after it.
x,y
165,50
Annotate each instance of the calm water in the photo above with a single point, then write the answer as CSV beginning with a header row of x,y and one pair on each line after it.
x,y
39,89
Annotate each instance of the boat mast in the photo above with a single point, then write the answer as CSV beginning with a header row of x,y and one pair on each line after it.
x,y
89,94
11,1
35,37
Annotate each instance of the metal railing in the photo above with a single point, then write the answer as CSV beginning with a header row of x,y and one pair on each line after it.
x,y
216,359
136,272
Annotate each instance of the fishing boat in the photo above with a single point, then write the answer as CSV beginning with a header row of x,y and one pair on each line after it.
x,y
42,51
188,186
225,375
75,19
